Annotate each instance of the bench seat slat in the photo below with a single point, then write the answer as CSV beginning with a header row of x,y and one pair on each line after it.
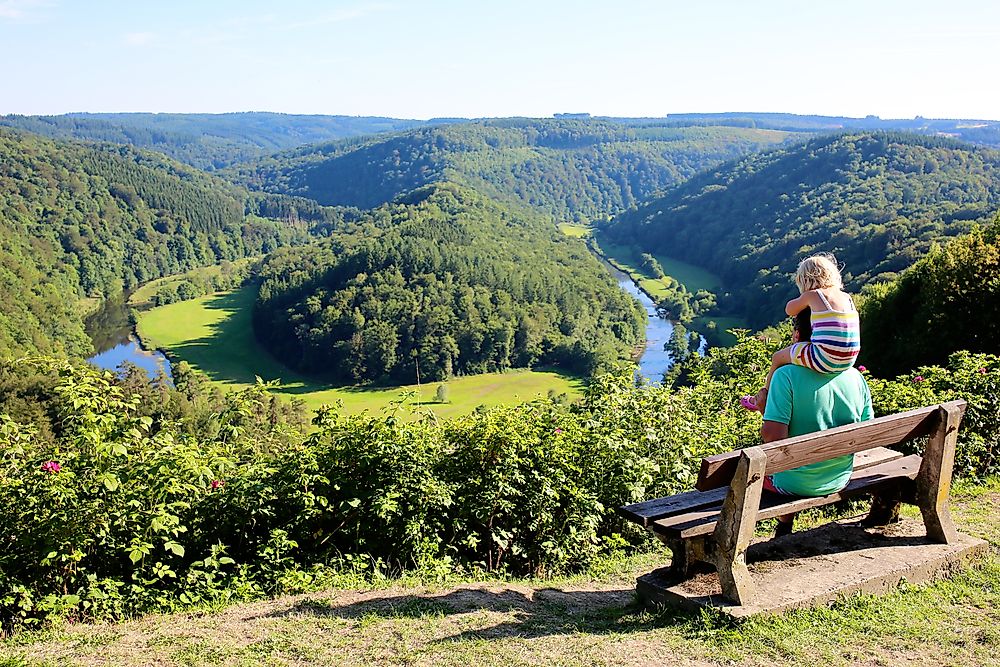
x,y
645,513
865,480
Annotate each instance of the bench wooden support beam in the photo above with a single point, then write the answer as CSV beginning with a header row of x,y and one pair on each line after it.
x,y
734,531
934,478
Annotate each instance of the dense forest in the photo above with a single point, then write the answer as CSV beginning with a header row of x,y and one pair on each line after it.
x,y
947,301
571,169
93,220
443,282
876,200
206,141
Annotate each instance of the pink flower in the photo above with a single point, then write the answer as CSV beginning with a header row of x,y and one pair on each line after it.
x,y
51,466
862,369
217,484
919,378
558,431
982,370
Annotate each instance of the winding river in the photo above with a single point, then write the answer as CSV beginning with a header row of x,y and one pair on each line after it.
x,y
113,334
654,361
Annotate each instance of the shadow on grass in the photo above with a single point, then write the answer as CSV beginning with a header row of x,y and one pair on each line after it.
x,y
543,612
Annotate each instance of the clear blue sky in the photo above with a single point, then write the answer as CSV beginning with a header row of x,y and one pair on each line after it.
x,y
420,59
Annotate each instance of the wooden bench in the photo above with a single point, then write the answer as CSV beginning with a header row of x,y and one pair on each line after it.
x,y
715,523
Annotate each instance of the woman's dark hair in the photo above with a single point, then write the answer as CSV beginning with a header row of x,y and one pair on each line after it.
x,y
803,324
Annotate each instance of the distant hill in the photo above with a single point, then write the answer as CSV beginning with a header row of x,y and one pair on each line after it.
x,y
570,168
982,132
877,200
207,141
80,220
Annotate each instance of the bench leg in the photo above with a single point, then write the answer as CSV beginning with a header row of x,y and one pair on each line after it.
x,y
685,555
884,510
934,478
736,524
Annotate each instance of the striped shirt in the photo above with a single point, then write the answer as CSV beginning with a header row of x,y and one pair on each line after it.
x,y
835,341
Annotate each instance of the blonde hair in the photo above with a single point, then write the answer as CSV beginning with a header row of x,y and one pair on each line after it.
x,y
817,272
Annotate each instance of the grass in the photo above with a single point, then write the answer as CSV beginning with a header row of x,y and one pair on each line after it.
x,y
143,296
576,621
719,335
575,230
628,259
214,335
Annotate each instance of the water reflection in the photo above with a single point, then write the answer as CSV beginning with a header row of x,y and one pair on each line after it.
x,y
110,330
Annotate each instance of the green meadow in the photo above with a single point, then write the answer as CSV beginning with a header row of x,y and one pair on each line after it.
x,y
575,230
214,334
629,260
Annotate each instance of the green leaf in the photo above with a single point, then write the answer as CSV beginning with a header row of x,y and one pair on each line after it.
x,y
175,548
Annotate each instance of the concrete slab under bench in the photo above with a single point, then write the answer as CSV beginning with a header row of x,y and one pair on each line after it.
x,y
817,566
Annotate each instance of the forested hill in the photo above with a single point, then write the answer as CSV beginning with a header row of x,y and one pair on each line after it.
x,y
569,168
207,141
89,220
877,200
444,281
982,132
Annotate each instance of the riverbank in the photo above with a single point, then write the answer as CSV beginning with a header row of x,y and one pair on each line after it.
x,y
714,328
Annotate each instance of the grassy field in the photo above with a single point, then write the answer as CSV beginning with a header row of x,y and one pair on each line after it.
x,y
214,335
581,621
142,297
628,259
574,230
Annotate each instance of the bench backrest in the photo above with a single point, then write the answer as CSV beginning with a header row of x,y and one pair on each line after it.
x,y
889,431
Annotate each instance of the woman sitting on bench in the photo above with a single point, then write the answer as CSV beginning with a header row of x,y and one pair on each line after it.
x,y
803,401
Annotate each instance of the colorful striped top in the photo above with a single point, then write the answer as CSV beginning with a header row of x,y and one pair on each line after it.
x,y
835,341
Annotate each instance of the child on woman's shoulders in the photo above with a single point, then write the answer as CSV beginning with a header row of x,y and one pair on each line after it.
x,y
836,330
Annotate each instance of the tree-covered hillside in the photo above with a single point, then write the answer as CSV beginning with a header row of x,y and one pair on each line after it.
x,y
206,141
91,220
983,132
876,200
948,301
572,169
443,282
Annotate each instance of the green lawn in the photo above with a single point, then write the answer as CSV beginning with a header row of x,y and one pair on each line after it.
x,y
214,334
142,297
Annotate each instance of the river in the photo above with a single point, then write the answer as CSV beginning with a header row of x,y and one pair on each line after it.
x,y
113,334
654,361
111,330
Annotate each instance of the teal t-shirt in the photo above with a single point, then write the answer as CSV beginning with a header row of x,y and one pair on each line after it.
x,y
808,402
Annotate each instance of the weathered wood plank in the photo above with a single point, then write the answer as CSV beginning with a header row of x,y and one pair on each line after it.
x,y
651,510
934,480
864,481
717,471
734,529
647,512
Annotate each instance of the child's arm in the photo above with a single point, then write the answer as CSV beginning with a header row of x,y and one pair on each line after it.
x,y
799,303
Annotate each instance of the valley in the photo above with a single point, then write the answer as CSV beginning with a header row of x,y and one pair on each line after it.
x,y
214,335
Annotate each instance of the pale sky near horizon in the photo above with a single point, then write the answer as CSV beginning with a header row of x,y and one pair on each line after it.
x,y
412,59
